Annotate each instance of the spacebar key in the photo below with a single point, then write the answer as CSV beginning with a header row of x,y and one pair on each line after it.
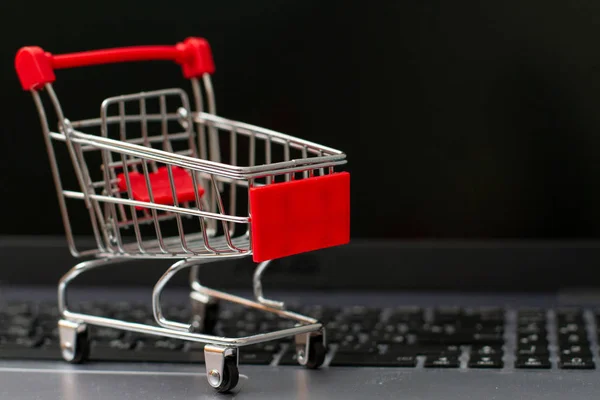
x,y
374,360
425,349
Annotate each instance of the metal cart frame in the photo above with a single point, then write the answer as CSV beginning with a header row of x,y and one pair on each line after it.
x,y
112,209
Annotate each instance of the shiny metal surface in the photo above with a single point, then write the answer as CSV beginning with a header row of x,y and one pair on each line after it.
x,y
51,380
257,286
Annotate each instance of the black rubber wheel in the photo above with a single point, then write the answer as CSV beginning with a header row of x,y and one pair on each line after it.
x,y
82,348
316,352
231,376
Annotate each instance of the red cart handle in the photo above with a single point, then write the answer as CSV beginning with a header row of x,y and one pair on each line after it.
x,y
35,67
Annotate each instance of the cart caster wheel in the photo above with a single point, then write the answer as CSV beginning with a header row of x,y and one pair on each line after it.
x,y
205,313
221,367
74,341
312,354
231,376
316,352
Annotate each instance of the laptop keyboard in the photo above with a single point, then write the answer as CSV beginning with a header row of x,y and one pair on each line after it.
x,y
410,337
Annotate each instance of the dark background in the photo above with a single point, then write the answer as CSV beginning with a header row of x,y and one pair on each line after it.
x,y
460,119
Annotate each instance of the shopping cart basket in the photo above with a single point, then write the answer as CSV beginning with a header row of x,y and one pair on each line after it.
x,y
162,181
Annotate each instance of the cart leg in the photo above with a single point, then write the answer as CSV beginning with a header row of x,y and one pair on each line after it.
x,y
74,273
205,312
205,309
74,341
221,367
311,349
257,285
157,292
73,334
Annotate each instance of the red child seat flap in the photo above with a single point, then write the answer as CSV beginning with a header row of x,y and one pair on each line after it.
x,y
161,186
299,216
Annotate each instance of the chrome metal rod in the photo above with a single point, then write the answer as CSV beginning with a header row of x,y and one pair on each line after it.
x,y
54,169
247,129
179,160
257,285
157,292
74,273
162,207
253,304
193,337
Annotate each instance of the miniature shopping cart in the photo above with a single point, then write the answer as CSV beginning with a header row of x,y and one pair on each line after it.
x,y
162,181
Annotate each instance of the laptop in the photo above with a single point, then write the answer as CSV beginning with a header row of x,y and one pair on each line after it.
x,y
403,320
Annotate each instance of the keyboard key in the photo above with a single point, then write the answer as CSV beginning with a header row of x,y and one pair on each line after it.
x,y
401,328
374,360
47,311
569,311
105,334
386,337
117,344
576,363
22,320
533,362
456,334
573,338
485,314
569,315
21,342
363,316
267,347
442,361
17,308
487,350
531,315
575,351
426,350
357,348
360,311
532,350
405,314
164,344
532,327
447,314
485,362
394,360
482,327
438,329
529,338
255,358
16,331
526,342
571,328
487,338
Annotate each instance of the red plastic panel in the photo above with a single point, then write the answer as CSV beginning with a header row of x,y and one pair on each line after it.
x,y
161,186
299,216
